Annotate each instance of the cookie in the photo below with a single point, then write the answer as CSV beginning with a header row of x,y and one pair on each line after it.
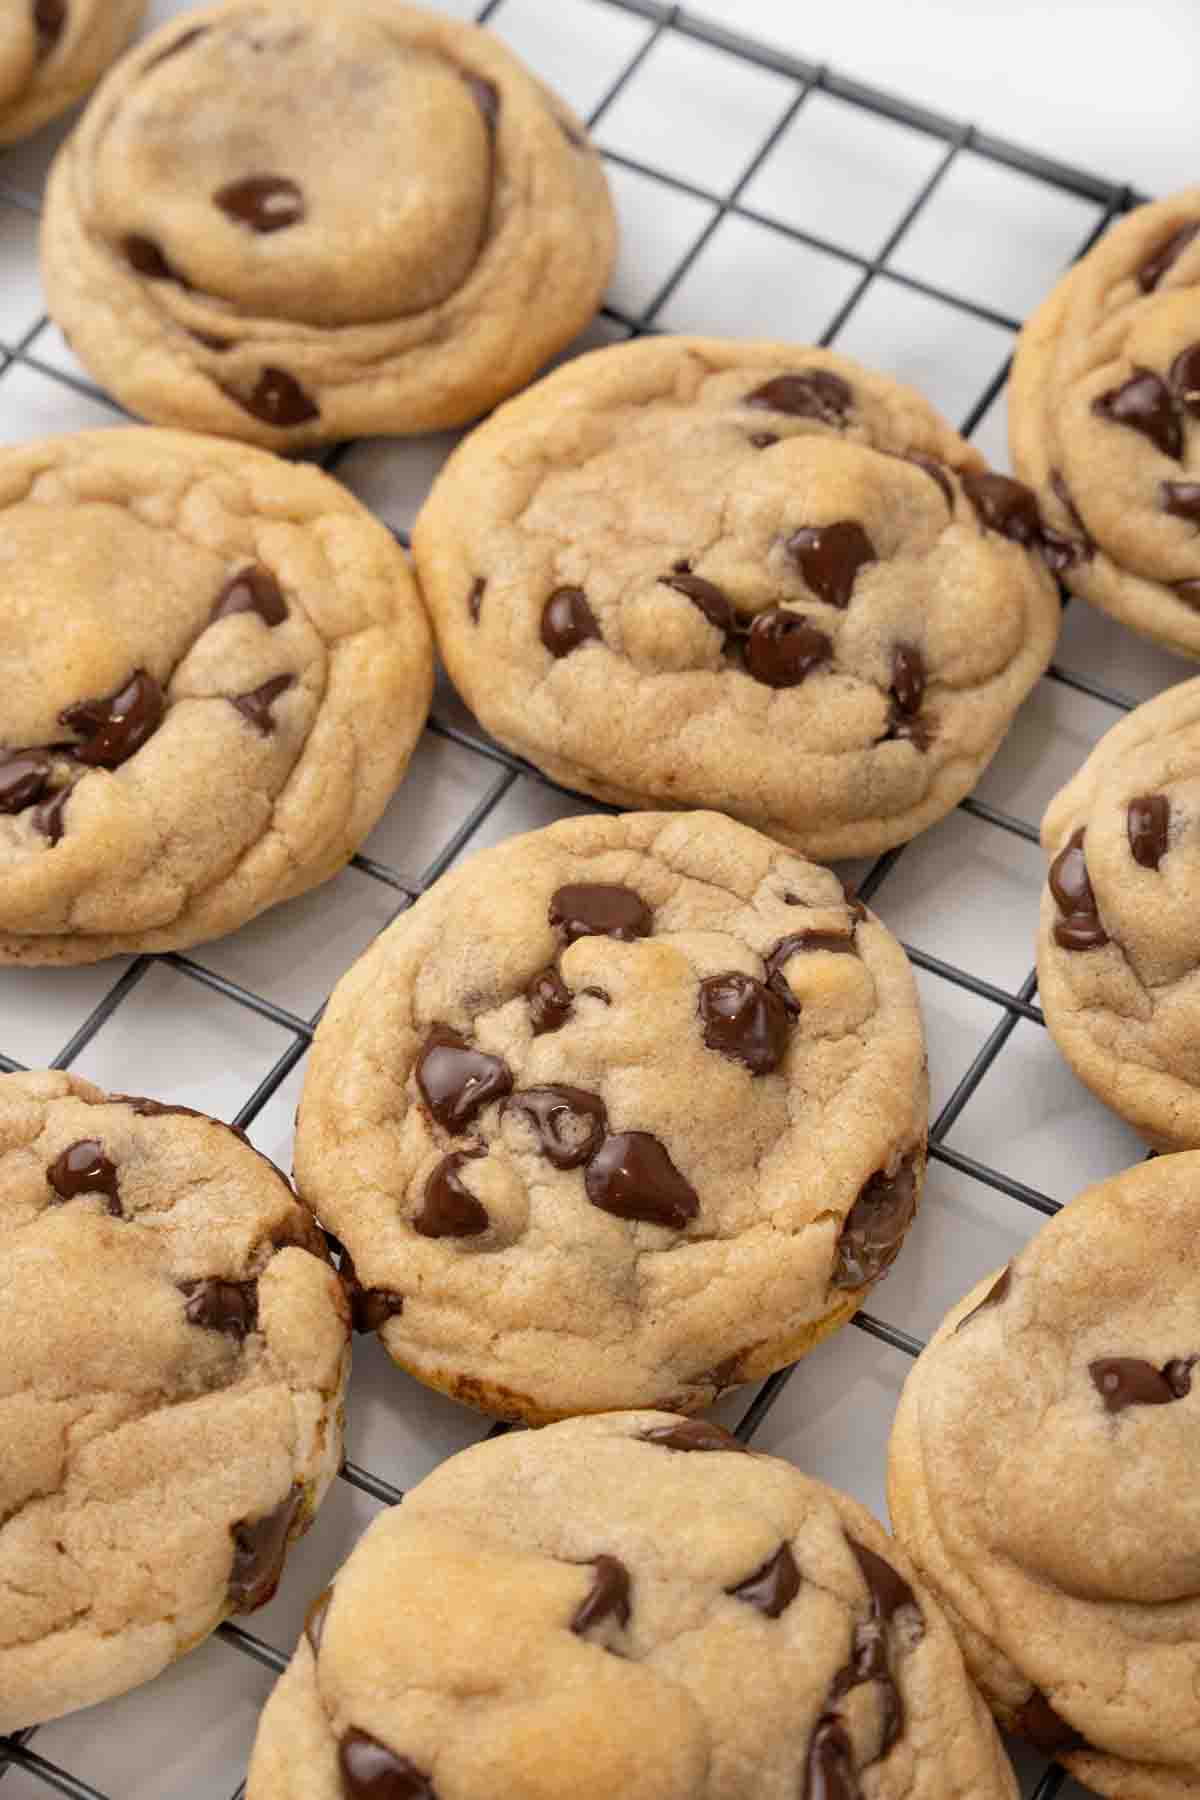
x,y
173,1353
595,1609
215,666
688,572
1042,1481
51,53
289,221
624,1111
1104,394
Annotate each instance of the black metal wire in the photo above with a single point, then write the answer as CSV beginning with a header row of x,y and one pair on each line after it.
x,y
959,138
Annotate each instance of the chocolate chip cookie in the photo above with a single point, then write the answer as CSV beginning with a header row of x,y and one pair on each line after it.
x,y
289,221
1042,1480
630,1605
215,666
627,1110
1104,393
173,1352
52,51
1117,944
685,572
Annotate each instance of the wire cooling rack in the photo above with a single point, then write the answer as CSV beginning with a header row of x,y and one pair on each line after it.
x,y
760,195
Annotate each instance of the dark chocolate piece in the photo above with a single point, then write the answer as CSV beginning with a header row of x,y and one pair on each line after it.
x,y
370,1771
265,203
114,726
314,1620
1144,404
370,1308
707,596
745,1020
49,19
694,1434
1183,378
475,598
253,589
1123,1381
775,961
829,558
1042,1726
608,1596
228,1306
259,1547
255,707
450,1209
549,1000
600,909
808,394
569,1123
633,1177
48,818
568,621
1147,821
784,647
24,778
1181,499
1156,265
1079,928
145,257
83,1168
1004,505
875,1226
830,1773
456,1081
277,399
773,1587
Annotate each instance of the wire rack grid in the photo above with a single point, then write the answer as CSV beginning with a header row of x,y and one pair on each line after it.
x,y
804,205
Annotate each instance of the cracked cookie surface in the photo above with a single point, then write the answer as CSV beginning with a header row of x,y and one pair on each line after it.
x,y
173,1352
690,572
1042,1481
624,1111
215,666
1105,398
629,1605
51,52
1117,966
215,266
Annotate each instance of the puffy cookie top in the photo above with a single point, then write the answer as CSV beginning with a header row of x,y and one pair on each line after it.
x,y
214,667
633,1605
613,1108
172,1346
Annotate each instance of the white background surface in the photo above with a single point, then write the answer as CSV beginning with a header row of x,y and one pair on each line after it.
x,y
1107,87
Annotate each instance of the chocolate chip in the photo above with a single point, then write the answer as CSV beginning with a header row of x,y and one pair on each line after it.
x,y
549,1000
259,1546
210,340
49,18
116,725
1188,591
1006,506
314,1620
600,909
798,942
870,1659
278,399
486,98
1183,377
1181,499
908,678
888,1588
875,1226
808,394
936,471
1146,822
1123,1381
568,621
1079,928
744,1020
762,440
450,1209
370,1308
263,202
694,1434
569,1122
707,596
773,1587
1156,265
145,258
228,1306
24,778
83,1168
830,1773
253,589
784,647
995,1296
608,1596
256,705
1062,552
1038,1722
633,1177
1144,404
830,556
370,1771
456,1081
48,818
475,598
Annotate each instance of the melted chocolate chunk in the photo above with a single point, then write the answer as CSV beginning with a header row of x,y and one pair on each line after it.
x,y
1061,552
600,909
314,1620
995,1296
83,1168
775,962
475,598
762,440
1183,378
607,1598
908,679
773,1587
486,98
875,1226
936,472
48,818
707,596
1156,265
1006,506
210,340
1188,591
869,1658
1038,1722
263,202
24,779
1181,499
549,1000
808,394
370,1771
145,258
49,18
256,705
253,589
632,1176
694,1434
115,725
277,399
259,1546
830,1772
1147,820
744,1020
568,621
370,1308
1144,404
784,647
1080,927
829,558
1123,1381
457,1082
450,1209
569,1122
228,1306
